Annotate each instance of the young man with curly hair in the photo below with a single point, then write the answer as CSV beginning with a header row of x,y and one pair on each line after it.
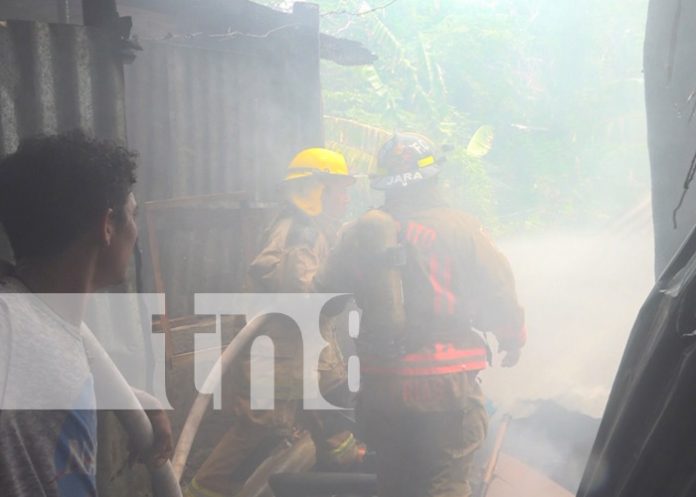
x,y
67,207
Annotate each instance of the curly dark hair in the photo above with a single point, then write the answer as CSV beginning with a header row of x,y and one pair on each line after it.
x,y
54,189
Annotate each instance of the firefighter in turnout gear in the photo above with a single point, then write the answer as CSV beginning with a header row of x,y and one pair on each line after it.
x,y
426,278
293,248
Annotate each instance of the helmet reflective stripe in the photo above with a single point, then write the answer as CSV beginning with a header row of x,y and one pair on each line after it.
x,y
404,179
404,159
426,161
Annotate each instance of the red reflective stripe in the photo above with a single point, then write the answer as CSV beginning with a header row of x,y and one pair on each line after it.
x,y
419,231
419,234
523,335
451,358
437,289
444,353
426,371
448,285
441,280
428,238
432,238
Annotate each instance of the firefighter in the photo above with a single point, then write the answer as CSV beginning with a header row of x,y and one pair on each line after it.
x,y
293,248
426,278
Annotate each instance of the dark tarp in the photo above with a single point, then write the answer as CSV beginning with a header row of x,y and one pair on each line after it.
x,y
645,445
670,104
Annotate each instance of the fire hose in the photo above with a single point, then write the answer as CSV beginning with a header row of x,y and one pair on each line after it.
x,y
112,391
212,381
493,460
300,456
323,484
165,479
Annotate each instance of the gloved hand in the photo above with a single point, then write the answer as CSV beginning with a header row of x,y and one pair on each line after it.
x,y
511,358
345,453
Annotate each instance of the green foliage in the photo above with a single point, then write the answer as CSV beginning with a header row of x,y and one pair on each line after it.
x,y
556,85
358,142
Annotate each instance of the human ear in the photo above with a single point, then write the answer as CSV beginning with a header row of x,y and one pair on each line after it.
x,y
107,227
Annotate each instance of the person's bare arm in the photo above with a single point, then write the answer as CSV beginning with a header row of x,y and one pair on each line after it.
x,y
163,444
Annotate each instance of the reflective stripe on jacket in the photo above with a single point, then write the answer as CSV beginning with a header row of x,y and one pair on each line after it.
x,y
446,359
454,279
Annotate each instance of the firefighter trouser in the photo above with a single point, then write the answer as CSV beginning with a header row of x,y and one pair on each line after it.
x,y
246,444
421,453
255,433
251,440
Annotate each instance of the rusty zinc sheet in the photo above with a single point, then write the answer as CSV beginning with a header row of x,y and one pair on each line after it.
x,y
56,77
215,117
225,117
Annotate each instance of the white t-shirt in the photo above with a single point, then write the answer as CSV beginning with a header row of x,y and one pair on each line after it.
x,y
48,427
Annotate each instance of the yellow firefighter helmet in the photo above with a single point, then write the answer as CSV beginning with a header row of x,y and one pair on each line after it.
x,y
320,163
316,166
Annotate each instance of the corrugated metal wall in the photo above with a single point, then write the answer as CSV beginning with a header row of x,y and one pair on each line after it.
x,y
213,117
206,119
207,115
56,78
66,11
226,117
202,246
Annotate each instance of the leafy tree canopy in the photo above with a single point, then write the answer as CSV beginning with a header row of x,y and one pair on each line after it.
x,y
554,88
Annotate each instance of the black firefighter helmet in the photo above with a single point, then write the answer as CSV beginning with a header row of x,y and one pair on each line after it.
x,y
406,159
